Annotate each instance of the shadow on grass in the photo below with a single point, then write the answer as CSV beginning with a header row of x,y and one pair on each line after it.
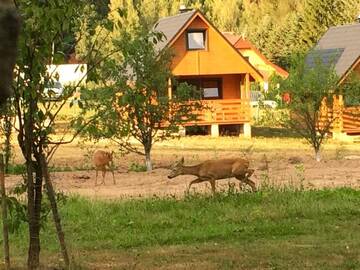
x,y
272,132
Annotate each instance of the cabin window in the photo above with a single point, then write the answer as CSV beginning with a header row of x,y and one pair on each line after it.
x,y
211,89
196,39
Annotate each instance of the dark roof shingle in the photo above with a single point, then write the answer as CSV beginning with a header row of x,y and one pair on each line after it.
x,y
170,26
344,39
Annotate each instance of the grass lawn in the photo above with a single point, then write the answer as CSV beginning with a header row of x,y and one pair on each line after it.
x,y
265,230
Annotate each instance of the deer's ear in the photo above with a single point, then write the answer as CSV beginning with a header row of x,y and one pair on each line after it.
x,y
182,160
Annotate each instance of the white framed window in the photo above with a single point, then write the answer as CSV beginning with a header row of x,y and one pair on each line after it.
x,y
196,39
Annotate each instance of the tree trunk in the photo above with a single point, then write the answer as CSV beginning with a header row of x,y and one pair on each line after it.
x,y
317,155
8,124
148,160
34,190
52,198
4,214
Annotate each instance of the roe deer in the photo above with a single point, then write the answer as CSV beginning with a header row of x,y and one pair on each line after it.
x,y
101,160
212,170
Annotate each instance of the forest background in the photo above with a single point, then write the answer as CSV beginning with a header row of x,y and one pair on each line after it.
x,y
278,28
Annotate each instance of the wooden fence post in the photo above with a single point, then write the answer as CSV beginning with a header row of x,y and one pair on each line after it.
x,y
4,214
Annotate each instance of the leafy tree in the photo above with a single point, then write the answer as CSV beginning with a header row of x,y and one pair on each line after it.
x,y
44,36
225,17
312,88
133,102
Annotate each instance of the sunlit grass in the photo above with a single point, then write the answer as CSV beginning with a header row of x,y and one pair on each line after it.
x,y
324,222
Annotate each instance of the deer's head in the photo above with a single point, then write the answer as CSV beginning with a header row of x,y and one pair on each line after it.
x,y
177,168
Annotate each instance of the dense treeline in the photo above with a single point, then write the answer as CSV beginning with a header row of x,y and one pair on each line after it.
x,y
277,27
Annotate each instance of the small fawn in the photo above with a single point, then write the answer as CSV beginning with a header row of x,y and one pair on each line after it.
x,y
101,160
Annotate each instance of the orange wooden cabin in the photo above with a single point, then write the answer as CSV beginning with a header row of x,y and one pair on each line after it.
x,y
340,46
206,59
256,58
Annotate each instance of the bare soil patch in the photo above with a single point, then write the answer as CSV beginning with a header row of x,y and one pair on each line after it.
x,y
284,167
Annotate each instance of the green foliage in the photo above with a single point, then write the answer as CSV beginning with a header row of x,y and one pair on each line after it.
x,y
134,100
136,167
319,15
17,169
278,28
351,90
311,87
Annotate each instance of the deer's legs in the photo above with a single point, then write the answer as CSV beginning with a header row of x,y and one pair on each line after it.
x,y
247,181
96,177
212,183
197,180
249,173
103,175
112,171
113,174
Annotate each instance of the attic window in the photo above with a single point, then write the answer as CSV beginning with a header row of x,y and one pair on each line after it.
x,y
196,39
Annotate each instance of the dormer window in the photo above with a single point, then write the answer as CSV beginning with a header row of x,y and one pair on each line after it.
x,y
196,39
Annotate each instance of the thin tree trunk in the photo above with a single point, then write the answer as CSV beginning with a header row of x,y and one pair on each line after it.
x,y
57,220
148,161
4,214
8,130
34,192
317,155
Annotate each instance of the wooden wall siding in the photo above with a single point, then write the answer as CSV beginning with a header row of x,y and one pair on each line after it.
x,y
348,118
231,86
351,120
218,58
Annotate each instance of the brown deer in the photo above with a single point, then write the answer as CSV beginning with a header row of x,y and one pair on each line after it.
x,y
101,160
212,170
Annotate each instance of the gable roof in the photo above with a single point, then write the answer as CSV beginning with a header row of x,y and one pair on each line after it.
x,y
328,57
243,44
344,39
173,26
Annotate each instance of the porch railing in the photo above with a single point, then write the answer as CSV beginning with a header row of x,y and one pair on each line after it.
x,y
223,111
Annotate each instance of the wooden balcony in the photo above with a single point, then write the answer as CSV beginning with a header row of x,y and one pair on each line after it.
x,y
224,111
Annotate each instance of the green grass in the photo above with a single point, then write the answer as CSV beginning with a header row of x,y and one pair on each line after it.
x,y
18,169
266,230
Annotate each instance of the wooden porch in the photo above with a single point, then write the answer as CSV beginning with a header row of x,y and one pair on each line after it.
x,y
223,112
230,105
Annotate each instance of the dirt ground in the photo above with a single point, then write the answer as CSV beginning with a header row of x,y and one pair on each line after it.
x,y
285,167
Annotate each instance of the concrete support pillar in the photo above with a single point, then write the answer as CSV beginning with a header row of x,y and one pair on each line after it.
x,y
214,130
182,131
247,130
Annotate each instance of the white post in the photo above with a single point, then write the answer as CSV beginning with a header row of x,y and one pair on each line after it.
x,y
247,130
214,130
182,131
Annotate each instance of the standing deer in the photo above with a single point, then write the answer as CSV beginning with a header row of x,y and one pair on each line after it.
x,y
212,170
101,160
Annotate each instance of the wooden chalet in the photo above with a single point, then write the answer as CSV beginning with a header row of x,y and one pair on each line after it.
x,y
256,58
206,59
341,46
